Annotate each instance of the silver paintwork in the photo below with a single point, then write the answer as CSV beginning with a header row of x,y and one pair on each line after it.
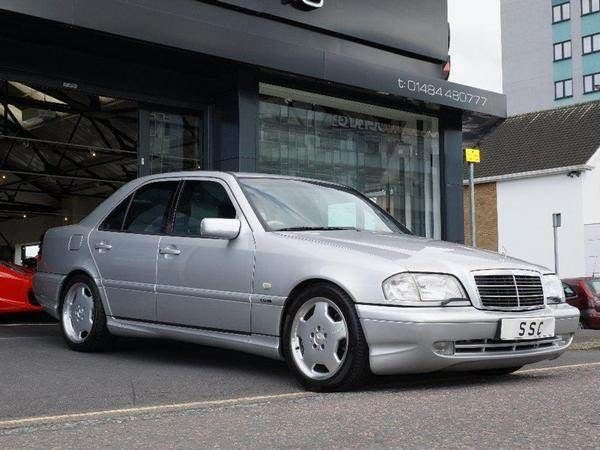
x,y
232,293
401,339
220,228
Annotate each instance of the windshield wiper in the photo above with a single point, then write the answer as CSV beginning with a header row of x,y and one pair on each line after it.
x,y
316,228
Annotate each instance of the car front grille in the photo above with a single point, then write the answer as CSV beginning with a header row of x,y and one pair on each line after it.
x,y
510,291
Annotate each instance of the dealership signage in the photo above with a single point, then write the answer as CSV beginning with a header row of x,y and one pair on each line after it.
x,y
451,94
342,121
353,123
437,92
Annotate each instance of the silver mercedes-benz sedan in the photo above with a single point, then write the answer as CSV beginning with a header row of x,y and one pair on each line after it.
x,y
302,270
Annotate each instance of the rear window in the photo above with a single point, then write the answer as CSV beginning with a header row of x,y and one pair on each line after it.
x,y
594,285
114,222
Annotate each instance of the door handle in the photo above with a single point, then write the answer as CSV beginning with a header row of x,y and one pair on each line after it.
x,y
102,246
169,250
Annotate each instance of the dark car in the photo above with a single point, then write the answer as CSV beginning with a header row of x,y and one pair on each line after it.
x,y
584,294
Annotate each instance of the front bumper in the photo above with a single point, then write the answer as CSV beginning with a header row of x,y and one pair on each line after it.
x,y
406,340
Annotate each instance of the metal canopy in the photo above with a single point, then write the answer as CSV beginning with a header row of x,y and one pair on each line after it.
x,y
57,144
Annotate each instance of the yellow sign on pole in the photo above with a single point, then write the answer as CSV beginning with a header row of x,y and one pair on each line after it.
x,y
472,155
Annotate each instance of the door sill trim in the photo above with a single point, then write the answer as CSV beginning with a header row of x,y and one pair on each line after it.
x,y
181,325
257,344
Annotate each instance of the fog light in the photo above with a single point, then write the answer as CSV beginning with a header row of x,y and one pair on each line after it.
x,y
445,348
565,339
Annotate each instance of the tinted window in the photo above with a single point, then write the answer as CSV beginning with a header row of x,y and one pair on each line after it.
x,y
201,200
114,222
594,285
149,208
569,292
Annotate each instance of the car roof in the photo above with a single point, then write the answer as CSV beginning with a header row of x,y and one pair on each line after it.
x,y
281,177
103,209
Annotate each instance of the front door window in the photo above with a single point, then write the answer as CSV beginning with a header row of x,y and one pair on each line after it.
x,y
201,200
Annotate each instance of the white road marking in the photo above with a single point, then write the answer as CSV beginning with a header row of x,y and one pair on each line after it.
x,y
16,338
144,410
45,420
565,367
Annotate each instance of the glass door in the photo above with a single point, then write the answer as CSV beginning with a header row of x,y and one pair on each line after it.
x,y
175,142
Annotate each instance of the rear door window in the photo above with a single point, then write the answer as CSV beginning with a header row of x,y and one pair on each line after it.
x,y
149,209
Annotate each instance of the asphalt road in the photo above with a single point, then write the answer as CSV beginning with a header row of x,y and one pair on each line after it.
x,y
173,395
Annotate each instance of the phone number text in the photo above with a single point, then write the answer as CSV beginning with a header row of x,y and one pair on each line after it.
x,y
436,91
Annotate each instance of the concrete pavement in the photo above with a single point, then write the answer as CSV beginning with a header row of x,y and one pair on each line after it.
x,y
173,395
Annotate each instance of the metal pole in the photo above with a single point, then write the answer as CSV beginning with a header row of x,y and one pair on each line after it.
x,y
556,224
556,250
472,206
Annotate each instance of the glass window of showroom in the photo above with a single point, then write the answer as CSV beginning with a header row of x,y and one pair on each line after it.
x,y
391,156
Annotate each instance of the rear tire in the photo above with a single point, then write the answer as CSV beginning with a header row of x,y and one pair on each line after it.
x,y
323,340
82,316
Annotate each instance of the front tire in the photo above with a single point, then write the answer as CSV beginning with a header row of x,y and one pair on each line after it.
x,y
323,341
83,319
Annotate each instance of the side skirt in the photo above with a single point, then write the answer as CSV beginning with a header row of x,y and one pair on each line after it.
x,y
256,344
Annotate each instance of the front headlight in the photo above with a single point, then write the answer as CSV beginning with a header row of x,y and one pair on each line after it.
x,y
553,289
407,288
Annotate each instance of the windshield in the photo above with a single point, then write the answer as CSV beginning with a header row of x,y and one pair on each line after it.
x,y
298,205
594,285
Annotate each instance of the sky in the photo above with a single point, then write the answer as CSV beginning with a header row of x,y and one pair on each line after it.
x,y
475,44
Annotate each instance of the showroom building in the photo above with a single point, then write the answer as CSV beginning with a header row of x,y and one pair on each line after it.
x,y
94,94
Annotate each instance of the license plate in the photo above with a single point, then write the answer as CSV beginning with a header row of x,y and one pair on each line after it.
x,y
534,328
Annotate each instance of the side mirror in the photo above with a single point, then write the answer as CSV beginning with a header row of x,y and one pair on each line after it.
x,y
227,229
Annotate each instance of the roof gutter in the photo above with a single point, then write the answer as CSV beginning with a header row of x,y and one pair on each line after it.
x,y
531,174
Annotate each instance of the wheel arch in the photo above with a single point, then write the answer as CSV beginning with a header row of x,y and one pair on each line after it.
x,y
296,290
69,277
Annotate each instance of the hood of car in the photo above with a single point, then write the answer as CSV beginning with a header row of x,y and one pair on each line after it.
x,y
414,253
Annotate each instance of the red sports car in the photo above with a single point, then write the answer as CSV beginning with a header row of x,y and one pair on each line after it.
x,y
15,289
584,294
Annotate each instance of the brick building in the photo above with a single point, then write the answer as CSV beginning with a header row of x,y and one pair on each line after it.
x,y
486,216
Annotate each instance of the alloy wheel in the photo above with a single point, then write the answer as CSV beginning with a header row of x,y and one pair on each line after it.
x,y
77,313
319,338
